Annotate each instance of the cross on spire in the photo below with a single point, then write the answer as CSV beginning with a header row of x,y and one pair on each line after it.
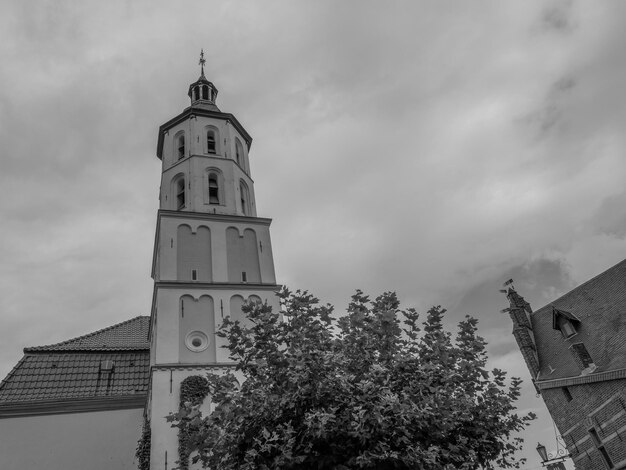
x,y
202,61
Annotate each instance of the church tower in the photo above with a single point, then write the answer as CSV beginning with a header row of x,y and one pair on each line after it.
x,y
211,254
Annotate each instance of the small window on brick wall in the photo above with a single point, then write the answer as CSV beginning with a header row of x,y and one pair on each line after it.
x,y
567,393
595,438
582,357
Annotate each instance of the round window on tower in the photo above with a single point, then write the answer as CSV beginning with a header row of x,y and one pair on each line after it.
x,y
197,341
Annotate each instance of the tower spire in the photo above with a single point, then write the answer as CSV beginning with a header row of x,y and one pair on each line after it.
x,y
201,62
202,92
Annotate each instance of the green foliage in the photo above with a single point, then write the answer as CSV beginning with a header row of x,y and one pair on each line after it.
x,y
371,390
193,391
142,452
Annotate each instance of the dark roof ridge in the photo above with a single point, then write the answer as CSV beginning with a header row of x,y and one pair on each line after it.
x,y
579,287
57,348
60,345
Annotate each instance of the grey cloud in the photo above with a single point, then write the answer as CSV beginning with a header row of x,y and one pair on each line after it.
x,y
559,17
610,217
386,149
550,115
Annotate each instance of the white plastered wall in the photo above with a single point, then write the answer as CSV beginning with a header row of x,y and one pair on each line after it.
x,y
167,314
101,440
165,400
166,252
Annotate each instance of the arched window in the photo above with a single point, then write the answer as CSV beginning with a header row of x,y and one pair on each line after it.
x,y
180,144
239,152
196,92
180,193
245,198
214,186
214,189
205,92
211,141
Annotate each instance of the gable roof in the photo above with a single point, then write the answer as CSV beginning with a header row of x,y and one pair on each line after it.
x,y
600,307
108,363
129,335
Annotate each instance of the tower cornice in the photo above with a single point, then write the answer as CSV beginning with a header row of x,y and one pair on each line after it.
x,y
199,111
216,285
240,219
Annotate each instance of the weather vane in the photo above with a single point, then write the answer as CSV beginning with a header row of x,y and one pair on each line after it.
x,y
202,61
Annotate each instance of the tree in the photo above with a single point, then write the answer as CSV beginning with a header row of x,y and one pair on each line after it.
x,y
371,390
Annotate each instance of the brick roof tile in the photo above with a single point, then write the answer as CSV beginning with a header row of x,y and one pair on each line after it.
x,y
600,305
128,335
72,368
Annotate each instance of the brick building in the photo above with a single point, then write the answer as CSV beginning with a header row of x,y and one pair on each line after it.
x,y
575,350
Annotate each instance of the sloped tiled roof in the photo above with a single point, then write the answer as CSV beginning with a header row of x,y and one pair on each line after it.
x,y
600,306
129,335
78,368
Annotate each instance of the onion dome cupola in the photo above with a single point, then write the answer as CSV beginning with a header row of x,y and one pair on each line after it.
x,y
202,92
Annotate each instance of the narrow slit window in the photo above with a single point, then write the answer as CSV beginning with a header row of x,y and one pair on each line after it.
x,y
244,277
567,393
181,146
194,274
238,152
210,141
244,196
606,457
214,190
597,442
595,437
180,193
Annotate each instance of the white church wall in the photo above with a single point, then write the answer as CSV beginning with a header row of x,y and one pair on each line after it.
x,y
101,440
168,243
166,399
168,318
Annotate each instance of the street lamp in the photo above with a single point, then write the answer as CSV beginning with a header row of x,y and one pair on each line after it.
x,y
552,461
543,453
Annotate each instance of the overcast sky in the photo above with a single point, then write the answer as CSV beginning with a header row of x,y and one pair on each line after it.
x,y
432,148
